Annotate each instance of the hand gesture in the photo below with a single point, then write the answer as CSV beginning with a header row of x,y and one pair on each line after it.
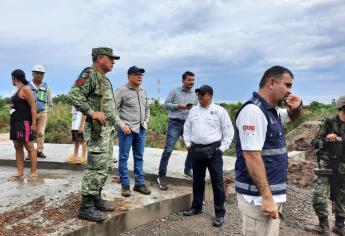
x,y
100,116
331,137
126,130
33,127
270,208
182,106
293,102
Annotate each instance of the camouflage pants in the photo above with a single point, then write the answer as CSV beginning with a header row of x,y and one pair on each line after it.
x,y
99,159
321,193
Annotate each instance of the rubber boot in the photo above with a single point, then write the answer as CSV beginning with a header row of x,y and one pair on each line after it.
x,y
322,228
338,228
87,210
102,204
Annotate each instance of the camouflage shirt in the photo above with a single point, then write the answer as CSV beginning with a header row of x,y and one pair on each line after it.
x,y
330,125
87,91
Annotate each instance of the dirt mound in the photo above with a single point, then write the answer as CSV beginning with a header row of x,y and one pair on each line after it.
x,y
299,139
301,173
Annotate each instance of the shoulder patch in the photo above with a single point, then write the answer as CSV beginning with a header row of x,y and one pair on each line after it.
x,y
85,75
80,81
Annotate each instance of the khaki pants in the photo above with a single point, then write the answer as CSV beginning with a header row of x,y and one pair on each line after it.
x,y
41,122
254,222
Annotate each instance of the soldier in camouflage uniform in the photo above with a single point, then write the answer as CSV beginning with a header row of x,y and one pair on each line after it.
x,y
92,94
331,130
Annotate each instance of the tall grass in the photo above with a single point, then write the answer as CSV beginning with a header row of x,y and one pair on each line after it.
x,y
59,121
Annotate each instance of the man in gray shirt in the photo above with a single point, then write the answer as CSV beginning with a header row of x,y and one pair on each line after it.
x,y
179,102
132,119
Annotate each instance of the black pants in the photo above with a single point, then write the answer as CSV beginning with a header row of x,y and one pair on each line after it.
x,y
215,168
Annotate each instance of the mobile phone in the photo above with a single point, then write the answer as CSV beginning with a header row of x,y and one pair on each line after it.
x,y
189,104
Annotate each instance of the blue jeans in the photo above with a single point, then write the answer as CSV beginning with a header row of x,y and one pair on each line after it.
x,y
175,131
137,142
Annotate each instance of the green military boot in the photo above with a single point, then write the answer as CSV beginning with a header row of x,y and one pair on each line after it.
x,y
102,204
322,228
338,228
87,210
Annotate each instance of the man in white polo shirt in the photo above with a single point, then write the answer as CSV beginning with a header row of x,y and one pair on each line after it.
x,y
208,132
261,165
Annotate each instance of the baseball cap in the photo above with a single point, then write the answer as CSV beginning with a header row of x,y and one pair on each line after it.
x,y
38,68
340,102
205,89
104,51
135,69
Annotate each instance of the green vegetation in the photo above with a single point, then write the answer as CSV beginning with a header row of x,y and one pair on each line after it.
x,y
59,121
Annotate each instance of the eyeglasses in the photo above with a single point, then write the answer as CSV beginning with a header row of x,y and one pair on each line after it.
x,y
137,74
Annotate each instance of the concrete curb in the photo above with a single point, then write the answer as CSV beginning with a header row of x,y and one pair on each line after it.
x,y
126,221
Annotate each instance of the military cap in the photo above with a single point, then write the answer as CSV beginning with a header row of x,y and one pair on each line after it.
x,y
104,51
340,102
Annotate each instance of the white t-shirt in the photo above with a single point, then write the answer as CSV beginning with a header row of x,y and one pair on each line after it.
x,y
76,118
252,127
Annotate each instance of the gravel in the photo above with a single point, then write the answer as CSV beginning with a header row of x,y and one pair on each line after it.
x,y
297,212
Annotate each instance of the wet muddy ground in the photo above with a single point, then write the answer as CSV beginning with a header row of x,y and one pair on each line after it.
x,y
49,205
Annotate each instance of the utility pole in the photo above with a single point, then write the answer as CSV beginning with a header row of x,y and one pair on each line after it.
x,y
158,89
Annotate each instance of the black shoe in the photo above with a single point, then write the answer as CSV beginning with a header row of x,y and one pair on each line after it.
x,y
338,230
218,221
126,191
115,160
87,211
142,189
191,212
27,158
188,174
162,182
41,155
102,204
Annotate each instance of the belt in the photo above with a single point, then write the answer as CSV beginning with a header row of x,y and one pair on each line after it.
x,y
214,145
177,119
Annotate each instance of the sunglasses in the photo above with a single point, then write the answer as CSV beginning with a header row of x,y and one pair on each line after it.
x,y
39,73
201,94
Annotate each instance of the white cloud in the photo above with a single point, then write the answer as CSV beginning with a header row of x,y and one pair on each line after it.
x,y
211,37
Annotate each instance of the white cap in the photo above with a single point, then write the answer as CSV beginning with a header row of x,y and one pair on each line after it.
x,y
38,68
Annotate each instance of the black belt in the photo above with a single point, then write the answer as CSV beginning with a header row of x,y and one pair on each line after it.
x,y
214,145
177,119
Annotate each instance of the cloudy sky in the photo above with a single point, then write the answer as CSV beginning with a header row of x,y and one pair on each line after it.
x,y
227,43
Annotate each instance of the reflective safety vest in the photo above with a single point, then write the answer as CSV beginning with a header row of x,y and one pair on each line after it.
x,y
40,95
274,153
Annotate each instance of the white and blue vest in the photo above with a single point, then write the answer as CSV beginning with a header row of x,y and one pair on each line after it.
x,y
40,95
274,153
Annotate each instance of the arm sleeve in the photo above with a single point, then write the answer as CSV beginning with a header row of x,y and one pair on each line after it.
x,y
187,130
118,101
324,129
50,97
169,102
227,129
252,127
147,109
79,92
